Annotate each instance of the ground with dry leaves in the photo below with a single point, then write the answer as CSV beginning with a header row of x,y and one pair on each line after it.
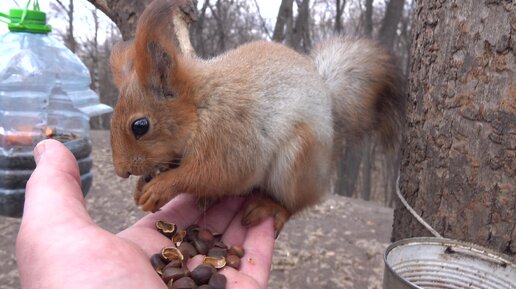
x,y
337,244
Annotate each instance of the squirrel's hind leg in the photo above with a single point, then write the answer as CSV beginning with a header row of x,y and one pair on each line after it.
x,y
262,207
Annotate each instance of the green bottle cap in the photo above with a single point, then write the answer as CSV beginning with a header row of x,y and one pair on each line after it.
x,y
34,21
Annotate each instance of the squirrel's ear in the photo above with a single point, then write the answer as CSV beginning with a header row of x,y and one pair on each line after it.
x,y
122,55
155,56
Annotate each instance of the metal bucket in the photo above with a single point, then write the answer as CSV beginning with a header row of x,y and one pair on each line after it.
x,y
445,264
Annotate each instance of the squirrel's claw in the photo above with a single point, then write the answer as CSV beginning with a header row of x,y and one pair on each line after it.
x,y
150,196
260,209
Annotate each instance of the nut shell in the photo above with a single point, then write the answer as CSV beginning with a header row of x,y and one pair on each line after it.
x,y
171,253
218,263
179,237
166,228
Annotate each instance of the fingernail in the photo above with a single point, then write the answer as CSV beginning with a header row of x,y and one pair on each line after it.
x,y
39,150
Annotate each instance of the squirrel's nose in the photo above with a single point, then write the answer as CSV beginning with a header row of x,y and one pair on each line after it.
x,y
122,173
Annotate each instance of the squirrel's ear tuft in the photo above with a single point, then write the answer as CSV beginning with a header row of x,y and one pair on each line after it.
x,y
121,60
154,48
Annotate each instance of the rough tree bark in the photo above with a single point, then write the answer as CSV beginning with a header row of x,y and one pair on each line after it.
x,y
125,13
459,161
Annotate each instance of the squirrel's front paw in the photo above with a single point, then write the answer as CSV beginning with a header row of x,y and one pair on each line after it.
x,y
151,196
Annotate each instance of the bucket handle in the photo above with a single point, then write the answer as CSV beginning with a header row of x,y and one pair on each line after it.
x,y
481,254
413,212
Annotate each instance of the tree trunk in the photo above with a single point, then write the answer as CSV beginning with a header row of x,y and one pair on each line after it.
x,y
368,161
459,161
125,13
300,38
339,9
284,17
368,18
391,19
196,33
359,160
69,38
349,168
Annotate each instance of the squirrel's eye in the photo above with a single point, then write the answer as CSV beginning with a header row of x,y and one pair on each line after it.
x,y
140,127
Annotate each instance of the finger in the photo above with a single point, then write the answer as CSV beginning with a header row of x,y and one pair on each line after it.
x,y
235,232
148,239
182,211
259,245
53,193
218,217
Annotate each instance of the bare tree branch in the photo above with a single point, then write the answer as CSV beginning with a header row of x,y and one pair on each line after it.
x,y
264,25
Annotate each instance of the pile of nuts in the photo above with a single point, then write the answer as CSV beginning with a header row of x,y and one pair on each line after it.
x,y
170,263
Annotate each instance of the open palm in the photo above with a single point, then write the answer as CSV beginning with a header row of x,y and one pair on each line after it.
x,y
59,246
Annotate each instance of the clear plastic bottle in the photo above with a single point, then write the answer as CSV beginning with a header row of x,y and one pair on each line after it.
x,y
44,92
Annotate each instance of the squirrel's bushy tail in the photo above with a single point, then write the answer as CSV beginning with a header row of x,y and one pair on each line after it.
x,y
366,89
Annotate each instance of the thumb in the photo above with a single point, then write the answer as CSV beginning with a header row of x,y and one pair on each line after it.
x,y
53,193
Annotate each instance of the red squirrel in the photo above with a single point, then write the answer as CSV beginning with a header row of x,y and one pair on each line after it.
x,y
259,119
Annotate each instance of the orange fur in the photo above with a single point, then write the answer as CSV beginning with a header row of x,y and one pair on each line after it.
x,y
261,119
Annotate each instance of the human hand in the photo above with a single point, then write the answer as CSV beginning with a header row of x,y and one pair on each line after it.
x,y
59,246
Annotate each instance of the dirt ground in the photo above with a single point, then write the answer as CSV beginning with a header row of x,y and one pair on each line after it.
x,y
337,244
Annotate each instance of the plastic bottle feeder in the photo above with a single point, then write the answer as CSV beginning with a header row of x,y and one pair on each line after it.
x,y
44,94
